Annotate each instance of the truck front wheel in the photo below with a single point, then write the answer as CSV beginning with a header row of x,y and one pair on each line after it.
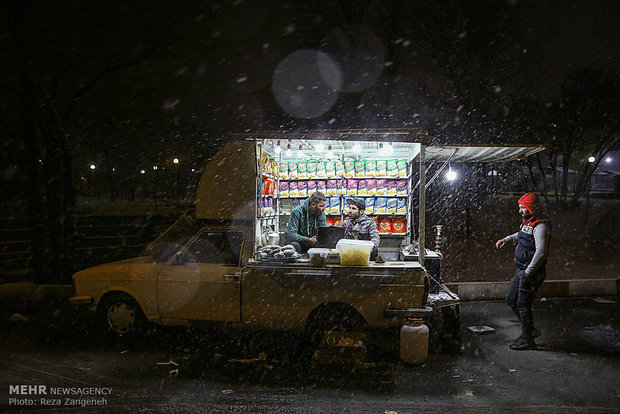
x,y
121,314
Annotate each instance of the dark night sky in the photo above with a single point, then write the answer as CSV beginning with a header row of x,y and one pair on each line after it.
x,y
214,62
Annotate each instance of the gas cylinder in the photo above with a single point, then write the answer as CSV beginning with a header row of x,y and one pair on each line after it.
x,y
414,341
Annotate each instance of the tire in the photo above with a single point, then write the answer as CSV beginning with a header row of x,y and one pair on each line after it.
x,y
121,315
330,318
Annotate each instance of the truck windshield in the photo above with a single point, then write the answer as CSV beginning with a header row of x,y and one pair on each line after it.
x,y
174,238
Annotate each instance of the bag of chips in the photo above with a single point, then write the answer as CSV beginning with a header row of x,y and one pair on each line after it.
x,y
381,168
321,186
302,169
391,187
330,169
381,186
339,169
371,168
370,205
380,205
385,225
402,168
292,170
401,187
392,205
351,187
349,169
283,189
399,225
292,189
402,206
311,169
302,188
362,188
320,169
392,168
360,168
371,187
311,187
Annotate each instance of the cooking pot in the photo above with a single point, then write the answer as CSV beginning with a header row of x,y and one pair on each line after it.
x,y
328,236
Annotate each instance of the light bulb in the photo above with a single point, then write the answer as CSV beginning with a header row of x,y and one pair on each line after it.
x,y
288,150
278,148
320,147
357,148
329,152
300,153
451,175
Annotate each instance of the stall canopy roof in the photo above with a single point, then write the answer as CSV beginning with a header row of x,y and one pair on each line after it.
x,y
482,153
401,138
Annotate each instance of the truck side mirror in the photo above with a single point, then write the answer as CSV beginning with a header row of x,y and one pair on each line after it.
x,y
180,259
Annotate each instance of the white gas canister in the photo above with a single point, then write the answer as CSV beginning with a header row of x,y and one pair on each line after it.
x,y
414,341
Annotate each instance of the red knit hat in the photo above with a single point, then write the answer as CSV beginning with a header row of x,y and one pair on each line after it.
x,y
530,201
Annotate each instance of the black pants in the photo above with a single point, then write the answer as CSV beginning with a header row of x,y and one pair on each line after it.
x,y
520,296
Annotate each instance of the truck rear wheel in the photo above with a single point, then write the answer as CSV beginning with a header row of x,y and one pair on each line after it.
x,y
121,314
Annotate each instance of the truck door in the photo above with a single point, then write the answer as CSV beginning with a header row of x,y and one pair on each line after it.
x,y
203,280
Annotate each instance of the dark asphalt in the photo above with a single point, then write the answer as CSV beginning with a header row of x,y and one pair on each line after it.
x,y
576,369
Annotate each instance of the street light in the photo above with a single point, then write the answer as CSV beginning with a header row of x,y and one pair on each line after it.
x,y
92,179
591,159
451,174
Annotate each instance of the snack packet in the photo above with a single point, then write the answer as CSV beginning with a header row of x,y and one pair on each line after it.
x,y
321,186
292,170
385,225
391,187
330,169
371,168
381,186
351,187
402,168
332,188
402,206
380,205
311,186
370,205
381,168
283,190
320,169
401,187
360,168
392,168
392,205
292,189
339,168
311,169
302,188
362,188
302,169
399,225
371,186
349,169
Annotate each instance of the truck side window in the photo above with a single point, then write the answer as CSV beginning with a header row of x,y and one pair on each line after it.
x,y
222,247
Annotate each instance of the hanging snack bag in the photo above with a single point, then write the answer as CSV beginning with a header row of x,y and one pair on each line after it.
x,y
399,225
401,187
362,188
381,205
392,205
381,186
311,168
402,206
292,169
349,169
351,187
371,168
320,169
335,208
339,168
345,208
371,187
321,186
331,188
381,168
340,187
360,168
283,189
330,169
292,189
302,188
311,186
391,187
302,169
392,168
370,205
402,168
385,225
276,169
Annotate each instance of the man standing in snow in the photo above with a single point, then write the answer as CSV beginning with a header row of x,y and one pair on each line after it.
x,y
531,254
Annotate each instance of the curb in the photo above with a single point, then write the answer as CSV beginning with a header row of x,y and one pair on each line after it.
x,y
551,288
